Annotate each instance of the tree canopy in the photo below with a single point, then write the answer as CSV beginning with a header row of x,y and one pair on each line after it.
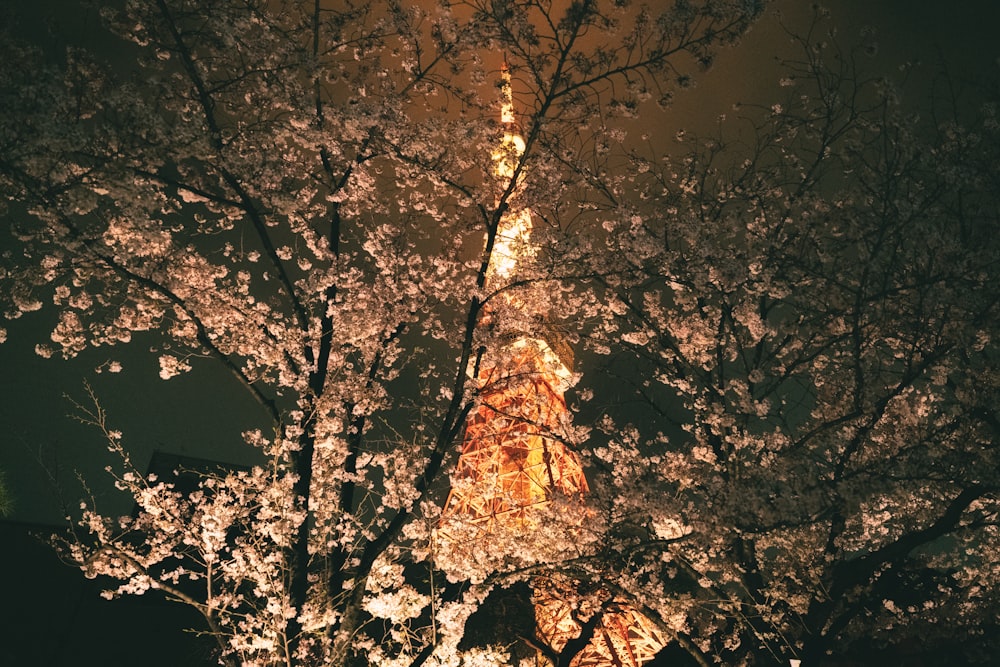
x,y
786,372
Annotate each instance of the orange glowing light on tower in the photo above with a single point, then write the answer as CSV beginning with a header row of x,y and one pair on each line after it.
x,y
513,461
623,637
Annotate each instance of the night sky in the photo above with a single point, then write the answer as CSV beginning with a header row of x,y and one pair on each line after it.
x,y
201,414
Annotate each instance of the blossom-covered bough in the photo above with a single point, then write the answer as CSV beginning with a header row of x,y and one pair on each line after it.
x,y
299,192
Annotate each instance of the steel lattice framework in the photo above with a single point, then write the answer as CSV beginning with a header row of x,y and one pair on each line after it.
x,y
622,637
513,461
510,460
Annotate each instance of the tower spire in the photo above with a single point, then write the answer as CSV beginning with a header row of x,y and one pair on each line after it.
x,y
506,94
507,154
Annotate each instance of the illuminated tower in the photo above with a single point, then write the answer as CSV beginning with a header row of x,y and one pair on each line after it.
x,y
513,463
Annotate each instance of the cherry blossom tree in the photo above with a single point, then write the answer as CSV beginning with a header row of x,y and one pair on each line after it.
x,y
812,310
798,308
301,192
